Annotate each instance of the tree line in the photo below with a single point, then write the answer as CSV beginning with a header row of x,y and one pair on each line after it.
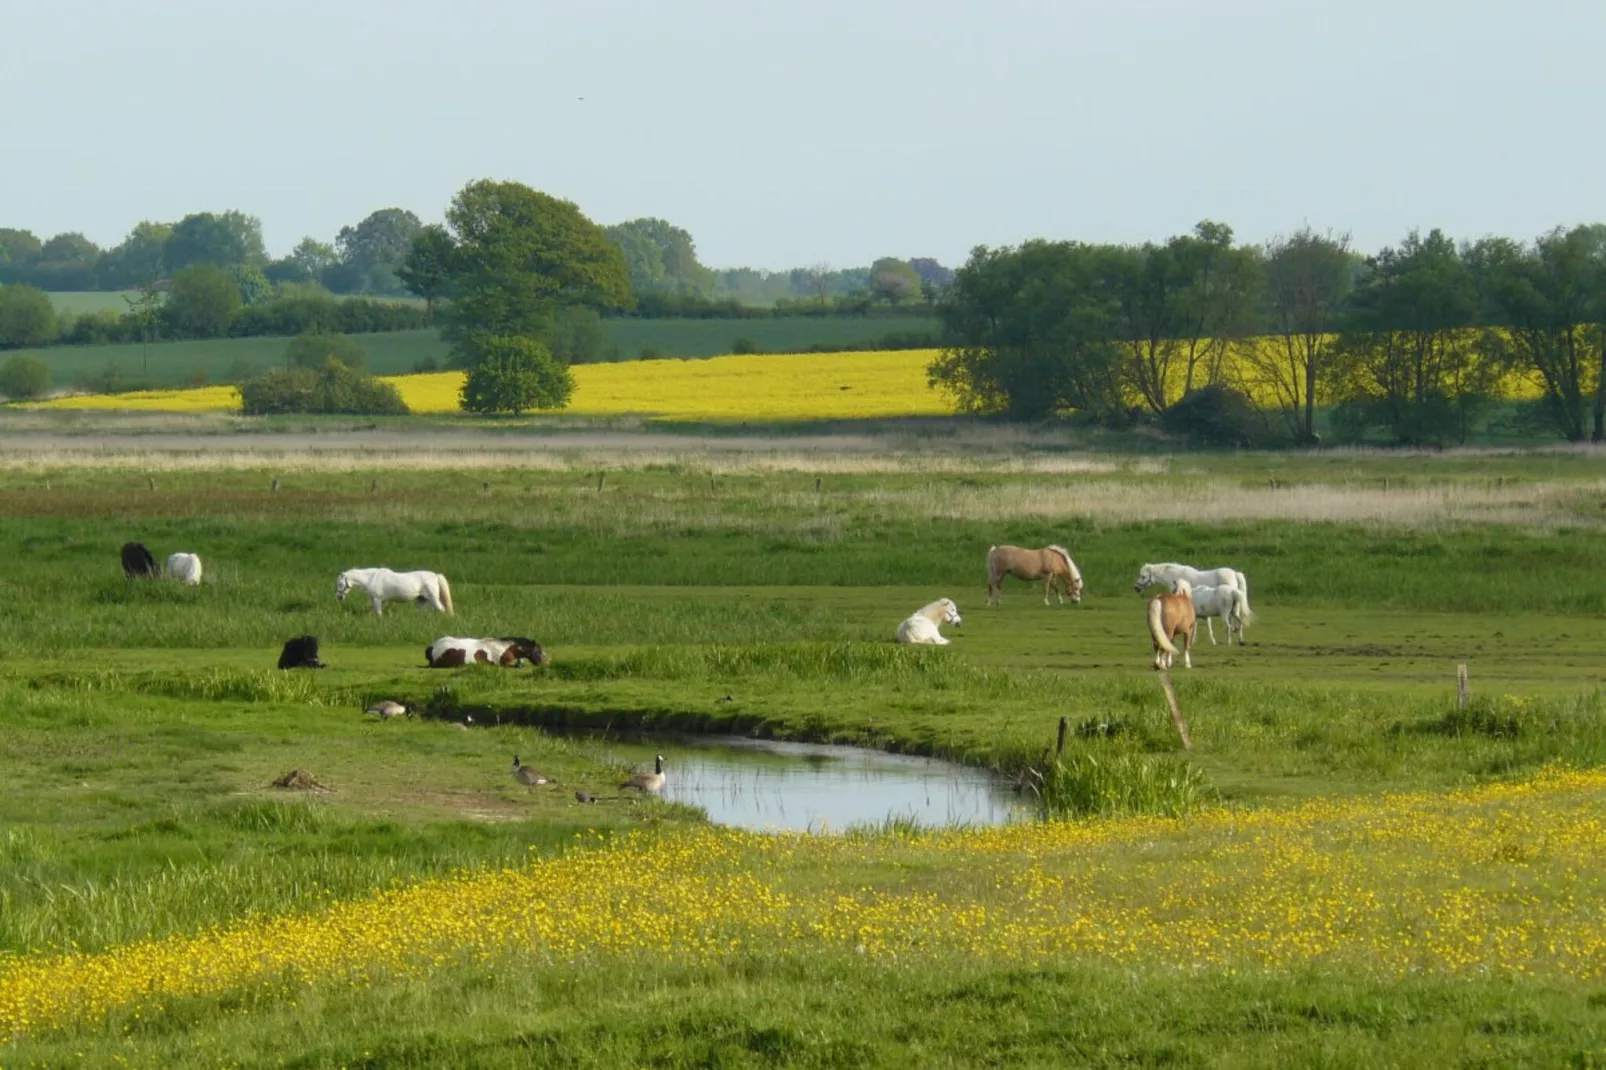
x,y
1411,345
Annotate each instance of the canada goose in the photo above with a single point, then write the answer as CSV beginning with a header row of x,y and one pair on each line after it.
x,y
653,781
387,709
527,776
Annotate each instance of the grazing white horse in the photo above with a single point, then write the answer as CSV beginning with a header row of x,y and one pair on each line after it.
x,y
383,585
924,626
1167,575
1228,603
186,568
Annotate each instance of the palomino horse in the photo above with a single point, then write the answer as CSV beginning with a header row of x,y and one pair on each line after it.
x,y
1228,603
924,626
1167,575
1171,615
383,585
185,568
1048,564
448,652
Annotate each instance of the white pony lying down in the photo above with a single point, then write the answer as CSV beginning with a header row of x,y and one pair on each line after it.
x,y
1228,603
185,568
923,626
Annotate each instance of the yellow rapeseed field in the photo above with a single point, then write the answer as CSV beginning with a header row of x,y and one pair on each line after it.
x,y
759,387
1500,880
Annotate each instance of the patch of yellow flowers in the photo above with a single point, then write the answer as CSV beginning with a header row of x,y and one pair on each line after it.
x,y
1498,880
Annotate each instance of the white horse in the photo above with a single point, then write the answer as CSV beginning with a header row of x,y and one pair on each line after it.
x,y
924,626
383,585
1167,575
1228,603
186,568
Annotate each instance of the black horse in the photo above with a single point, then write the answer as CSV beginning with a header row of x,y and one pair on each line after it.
x,y
301,653
137,561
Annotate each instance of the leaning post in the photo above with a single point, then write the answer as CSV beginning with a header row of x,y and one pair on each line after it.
x,y
1176,711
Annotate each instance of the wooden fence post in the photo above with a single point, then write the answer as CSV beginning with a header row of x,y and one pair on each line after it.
x,y
1462,690
1176,711
1059,744
600,477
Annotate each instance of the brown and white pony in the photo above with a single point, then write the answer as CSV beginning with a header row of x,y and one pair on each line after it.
x,y
1048,564
1171,615
450,652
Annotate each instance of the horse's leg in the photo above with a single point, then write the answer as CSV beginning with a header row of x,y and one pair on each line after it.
x,y
1210,626
1046,585
1187,643
379,605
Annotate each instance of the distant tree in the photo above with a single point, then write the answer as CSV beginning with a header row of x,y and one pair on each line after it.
x,y
67,262
204,299
19,251
139,260
894,280
307,263
661,257
372,252
513,374
253,285
222,240
1410,360
427,269
316,350
27,317
522,255
578,336
1308,276
23,377
930,271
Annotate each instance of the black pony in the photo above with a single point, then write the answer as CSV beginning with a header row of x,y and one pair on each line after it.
x,y
301,653
137,561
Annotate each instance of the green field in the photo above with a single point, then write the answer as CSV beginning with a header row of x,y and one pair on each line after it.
x,y
757,591
166,364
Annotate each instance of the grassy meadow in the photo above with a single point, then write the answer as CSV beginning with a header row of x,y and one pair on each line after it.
x,y
1345,869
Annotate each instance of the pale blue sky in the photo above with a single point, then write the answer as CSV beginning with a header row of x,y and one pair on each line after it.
x,y
791,133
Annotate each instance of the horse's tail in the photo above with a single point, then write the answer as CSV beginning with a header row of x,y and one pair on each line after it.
x,y
446,594
1243,585
1240,605
1157,625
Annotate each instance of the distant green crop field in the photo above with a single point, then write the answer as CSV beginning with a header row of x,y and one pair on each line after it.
x,y
77,302
398,352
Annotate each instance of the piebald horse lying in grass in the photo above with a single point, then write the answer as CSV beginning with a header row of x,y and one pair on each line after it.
x,y
1047,564
924,626
1171,615
1228,603
449,652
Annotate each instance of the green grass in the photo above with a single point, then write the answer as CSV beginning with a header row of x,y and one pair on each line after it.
x,y
140,724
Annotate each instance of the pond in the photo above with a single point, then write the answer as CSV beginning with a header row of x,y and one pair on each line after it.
x,y
771,785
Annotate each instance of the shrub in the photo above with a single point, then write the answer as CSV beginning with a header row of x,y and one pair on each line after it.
x,y
1216,415
316,350
577,336
24,377
27,318
743,345
203,302
333,388
513,374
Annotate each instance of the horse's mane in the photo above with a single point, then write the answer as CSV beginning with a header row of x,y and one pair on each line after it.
x,y
1066,554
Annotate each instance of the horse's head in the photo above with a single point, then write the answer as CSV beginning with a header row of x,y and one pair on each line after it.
x,y
1145,579
342,585
950,613
1076,587
526,650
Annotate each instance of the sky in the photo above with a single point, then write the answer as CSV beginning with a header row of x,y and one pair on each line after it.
x,y
830,131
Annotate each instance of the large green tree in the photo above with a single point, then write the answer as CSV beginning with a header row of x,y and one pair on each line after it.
x,y
427,269
894,280
221,239
1408,352
520,255
68,261
1307,278
307,264
19,251
372,252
